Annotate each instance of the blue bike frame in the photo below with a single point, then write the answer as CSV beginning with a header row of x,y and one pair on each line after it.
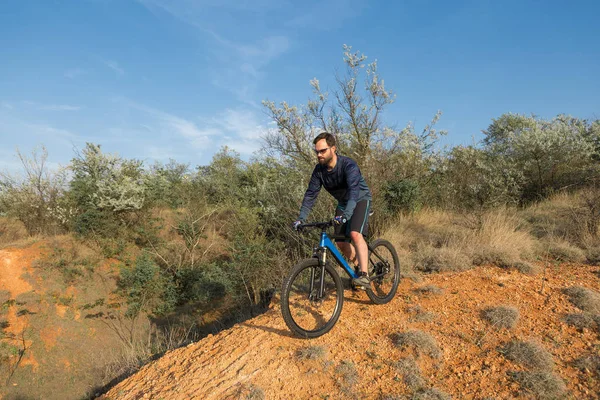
x,y
327,244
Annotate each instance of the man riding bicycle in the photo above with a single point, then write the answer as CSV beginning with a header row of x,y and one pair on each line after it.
x,y
341,177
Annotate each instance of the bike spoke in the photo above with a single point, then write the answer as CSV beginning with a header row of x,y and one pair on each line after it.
x,y
384,271
309,311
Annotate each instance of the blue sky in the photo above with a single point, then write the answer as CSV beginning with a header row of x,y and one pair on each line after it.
x,y
160,79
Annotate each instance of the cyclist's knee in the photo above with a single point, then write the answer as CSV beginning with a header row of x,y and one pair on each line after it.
x,y
356,236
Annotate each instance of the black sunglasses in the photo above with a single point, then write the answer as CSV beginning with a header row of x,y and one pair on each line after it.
x,y
322,151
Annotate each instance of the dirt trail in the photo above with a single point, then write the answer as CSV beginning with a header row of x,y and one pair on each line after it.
x,y
260,354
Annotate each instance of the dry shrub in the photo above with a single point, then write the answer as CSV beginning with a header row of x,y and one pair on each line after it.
x,y
501,235
443,241
428,290
418,341
411,375
11,230
311,353
70,257
543,385
491,256
431,259
583,321
583,298
501,316
346,376
528,354
526,268
550,218
429,226
418,314
561,250
249,392
592,255
430,394
590,362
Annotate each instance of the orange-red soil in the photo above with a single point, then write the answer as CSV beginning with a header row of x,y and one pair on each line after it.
x,y
260,354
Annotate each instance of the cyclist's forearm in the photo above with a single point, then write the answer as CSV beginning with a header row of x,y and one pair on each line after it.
x,y
307,204
349,209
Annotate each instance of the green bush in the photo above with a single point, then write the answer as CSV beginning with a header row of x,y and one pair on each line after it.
x,y
402,196
206,284
145,288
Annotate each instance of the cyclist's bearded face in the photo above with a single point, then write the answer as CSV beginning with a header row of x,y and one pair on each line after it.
x,y
324,152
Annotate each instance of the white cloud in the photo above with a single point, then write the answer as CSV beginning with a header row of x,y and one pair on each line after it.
x,y
44,107
59,107
167,123
161,153
114,66
240,129
237,66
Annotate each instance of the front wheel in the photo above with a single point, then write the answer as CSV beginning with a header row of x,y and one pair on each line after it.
x,y
305,312
384,271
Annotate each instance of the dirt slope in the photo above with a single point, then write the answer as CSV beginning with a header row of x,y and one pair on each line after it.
x,y
63,352
258,358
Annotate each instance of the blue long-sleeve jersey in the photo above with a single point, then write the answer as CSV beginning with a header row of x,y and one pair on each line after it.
x,y
344,182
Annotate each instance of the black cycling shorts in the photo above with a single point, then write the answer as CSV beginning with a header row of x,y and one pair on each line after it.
x,y
358,223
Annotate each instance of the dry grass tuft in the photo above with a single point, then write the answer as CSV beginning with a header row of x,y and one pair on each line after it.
x,y
528,354
411,375
592,255
543,385
589,363
249,392
526,268
430,394
418,314
501,316
346,376
583,298
561,250
418,341
311,353
583,321
444,259
500,234
440,241
428,290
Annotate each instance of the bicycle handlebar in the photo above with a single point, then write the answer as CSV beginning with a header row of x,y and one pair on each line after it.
x,y
321,225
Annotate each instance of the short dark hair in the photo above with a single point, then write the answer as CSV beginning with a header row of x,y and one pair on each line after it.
x,y
329,138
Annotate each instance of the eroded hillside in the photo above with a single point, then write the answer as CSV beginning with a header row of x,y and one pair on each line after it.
x,y
432,340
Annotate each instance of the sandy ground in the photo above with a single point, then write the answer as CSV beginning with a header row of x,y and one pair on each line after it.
x,y
259,357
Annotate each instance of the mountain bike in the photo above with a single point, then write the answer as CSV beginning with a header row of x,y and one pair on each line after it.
x,y
313,293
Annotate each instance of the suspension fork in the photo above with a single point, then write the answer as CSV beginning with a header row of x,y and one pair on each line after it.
x,y
321,254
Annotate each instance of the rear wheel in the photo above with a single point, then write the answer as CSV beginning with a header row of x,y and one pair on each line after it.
x,y
304,312
384,271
